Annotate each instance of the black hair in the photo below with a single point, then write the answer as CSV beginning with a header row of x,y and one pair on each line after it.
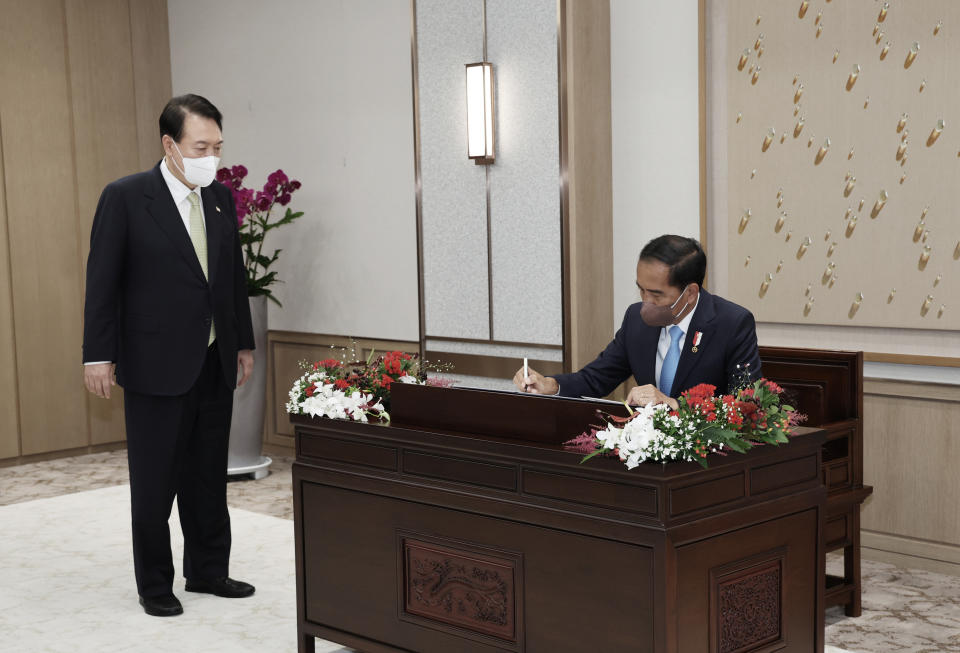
x,y
684,256
173,115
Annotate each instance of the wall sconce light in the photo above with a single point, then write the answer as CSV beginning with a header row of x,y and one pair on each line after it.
x,y
480,137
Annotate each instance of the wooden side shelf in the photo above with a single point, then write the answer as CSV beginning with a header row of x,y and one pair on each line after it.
x,y
828,387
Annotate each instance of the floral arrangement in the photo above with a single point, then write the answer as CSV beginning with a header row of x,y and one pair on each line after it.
x,y
356,391
253,217
702,424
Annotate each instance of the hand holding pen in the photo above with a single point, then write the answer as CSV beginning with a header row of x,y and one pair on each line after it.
x,y
529,380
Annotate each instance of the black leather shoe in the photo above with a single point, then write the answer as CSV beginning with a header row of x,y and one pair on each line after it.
x,y
225,587
161,606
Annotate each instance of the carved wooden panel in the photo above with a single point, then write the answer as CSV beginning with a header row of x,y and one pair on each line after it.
x,y
456,584
747,605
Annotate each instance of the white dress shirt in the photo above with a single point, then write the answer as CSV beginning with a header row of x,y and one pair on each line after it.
x,y
663,346
179,191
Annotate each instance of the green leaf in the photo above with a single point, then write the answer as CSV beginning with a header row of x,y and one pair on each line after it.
x,y
738,445
781,438
788,409
590,455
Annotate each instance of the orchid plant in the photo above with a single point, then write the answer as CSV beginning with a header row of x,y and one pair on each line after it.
x,y
254,208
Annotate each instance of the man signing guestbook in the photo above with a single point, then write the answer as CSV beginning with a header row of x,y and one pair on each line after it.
x,y
678,336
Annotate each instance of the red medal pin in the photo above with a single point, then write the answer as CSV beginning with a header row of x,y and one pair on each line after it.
x,y
696,341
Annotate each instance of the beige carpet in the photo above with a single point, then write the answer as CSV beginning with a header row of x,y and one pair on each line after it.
x,y
66,584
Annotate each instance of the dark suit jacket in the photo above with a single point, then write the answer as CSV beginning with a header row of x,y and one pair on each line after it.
x,y
729,339
148,306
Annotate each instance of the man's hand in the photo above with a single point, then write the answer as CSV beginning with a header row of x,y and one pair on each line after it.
x,y
535,383
244,365
99,378
642,395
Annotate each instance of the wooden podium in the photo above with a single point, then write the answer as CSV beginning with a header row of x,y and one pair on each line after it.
x,y
464,527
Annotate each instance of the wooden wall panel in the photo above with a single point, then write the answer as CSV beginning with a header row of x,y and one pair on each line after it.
x,y
9,420
105,136
35,111
151,74
586,142
911,446
285,349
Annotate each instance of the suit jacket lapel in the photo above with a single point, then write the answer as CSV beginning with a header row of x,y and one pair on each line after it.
x,y
650,339
214,221
165,213
703,321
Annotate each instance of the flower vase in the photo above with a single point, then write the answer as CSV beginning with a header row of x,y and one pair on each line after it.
x,y
249,403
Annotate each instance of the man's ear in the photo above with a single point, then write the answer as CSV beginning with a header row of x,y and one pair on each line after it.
x,y
167,143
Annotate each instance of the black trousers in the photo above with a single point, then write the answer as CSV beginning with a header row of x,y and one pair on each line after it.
x,y
177,447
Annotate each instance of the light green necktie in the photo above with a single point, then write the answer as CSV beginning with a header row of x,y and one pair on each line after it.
x,y
199,238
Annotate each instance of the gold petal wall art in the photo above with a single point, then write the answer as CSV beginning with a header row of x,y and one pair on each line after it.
x,y
857,75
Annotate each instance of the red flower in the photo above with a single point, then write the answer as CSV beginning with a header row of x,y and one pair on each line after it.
x,y
342,384
700,392
386,381
711,417
746,408
772,387
747,392
312,388
329,362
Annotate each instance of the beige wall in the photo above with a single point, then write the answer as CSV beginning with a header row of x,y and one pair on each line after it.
x,y
654,74
321,89
81,86
910,442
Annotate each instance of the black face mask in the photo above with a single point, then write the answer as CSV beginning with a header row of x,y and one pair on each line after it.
x,y
661,316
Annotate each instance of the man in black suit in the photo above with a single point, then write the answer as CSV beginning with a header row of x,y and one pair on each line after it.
x,y
166,311
677,337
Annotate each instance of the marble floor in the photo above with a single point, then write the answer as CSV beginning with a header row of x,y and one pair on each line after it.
x,y
903,609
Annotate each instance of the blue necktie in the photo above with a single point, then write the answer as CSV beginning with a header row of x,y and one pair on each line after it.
x,y
669,368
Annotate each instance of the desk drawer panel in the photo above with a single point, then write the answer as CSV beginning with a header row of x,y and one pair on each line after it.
x,y
345,451
501,477
707,494
780,475
587,491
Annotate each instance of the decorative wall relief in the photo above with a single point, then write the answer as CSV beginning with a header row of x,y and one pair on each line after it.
x,y
858,75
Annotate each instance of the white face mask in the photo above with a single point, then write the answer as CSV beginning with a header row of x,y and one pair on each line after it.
x,y
201,171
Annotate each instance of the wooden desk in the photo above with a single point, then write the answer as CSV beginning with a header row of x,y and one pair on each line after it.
x,y
432,538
